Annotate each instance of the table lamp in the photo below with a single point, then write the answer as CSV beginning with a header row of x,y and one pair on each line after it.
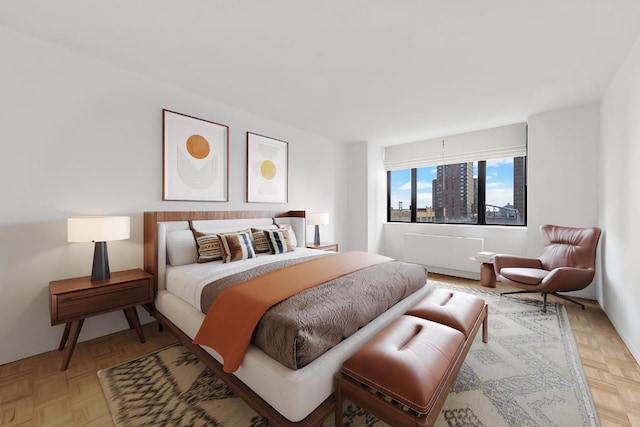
x,y
98,229
317,219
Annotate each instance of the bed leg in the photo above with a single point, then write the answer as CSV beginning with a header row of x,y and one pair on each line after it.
x,y
339,404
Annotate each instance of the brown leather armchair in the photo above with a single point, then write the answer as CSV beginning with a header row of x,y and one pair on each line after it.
x,y
566,264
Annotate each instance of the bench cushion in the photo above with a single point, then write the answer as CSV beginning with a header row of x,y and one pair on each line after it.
x,y
458,310
407,361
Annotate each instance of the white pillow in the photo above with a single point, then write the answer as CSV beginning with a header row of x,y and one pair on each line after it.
x,y
181,247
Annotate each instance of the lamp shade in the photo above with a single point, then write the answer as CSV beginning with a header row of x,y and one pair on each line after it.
x,y
97,228
318,219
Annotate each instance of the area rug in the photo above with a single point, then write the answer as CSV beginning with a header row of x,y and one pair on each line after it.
x,y
528,374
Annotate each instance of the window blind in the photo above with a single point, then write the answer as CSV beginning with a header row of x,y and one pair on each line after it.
x,y
505,141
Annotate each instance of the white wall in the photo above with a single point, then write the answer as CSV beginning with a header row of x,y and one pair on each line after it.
x,y
367,196
564,175
357,203
620,201
377,197
80,137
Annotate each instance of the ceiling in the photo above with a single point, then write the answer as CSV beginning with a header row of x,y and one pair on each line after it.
x,y
356,70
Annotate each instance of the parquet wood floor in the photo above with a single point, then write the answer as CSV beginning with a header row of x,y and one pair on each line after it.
x,y
34,392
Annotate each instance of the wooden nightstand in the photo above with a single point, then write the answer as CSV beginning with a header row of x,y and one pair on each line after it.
x,y
324,246
73,300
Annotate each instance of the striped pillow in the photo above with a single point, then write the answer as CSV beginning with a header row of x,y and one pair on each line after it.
x,y
260,244
278,241
288,231
236,247
209,248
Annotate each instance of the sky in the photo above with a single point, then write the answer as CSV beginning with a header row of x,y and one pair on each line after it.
x,y
499,184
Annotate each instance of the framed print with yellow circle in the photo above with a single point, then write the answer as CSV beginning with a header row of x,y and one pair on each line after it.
x,y
267,169
195,156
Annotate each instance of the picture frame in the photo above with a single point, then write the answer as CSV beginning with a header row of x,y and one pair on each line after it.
x,y
195,159
267,169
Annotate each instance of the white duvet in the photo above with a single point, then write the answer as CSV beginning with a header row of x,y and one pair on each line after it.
x,y
188,281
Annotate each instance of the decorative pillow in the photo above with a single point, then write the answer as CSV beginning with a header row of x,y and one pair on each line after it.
x,y
209,248
236,247
181,247
288,230
278,241
260,244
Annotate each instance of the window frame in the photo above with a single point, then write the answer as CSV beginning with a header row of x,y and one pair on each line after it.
x,y
480,208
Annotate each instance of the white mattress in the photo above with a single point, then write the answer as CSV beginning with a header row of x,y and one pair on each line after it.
x,y
293,393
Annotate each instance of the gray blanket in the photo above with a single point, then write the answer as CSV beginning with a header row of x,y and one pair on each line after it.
x,y
298,330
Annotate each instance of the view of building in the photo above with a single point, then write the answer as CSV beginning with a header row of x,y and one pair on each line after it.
x,y
454,192
451,193
519,196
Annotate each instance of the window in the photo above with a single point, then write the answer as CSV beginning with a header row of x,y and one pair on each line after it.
x,y
505,191
471,178
480,192
400,190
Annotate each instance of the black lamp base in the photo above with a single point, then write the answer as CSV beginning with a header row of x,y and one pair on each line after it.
x,y
316,240
100,269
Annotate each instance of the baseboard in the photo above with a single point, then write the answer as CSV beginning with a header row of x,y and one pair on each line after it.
x,y
455,273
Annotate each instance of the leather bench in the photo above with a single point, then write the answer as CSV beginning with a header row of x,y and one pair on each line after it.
x,y
457,310
403,374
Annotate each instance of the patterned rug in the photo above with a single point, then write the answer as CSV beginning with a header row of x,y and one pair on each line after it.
x,y
529,374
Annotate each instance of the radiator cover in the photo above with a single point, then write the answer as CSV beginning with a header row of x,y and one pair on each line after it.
x,y
444,254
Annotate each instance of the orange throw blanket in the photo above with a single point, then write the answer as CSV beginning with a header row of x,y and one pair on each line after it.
x,y
231,319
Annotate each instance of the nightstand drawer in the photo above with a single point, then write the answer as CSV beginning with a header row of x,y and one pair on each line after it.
x,y
89,302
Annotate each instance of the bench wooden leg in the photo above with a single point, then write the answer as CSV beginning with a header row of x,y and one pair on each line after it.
x,y
485,324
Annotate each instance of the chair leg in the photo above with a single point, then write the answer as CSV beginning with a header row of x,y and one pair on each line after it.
x,y
568,299
517,292
544,296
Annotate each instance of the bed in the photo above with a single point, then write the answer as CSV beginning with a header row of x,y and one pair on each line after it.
x,y
284,396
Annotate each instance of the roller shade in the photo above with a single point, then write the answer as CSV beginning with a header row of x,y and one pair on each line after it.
x,y
505,141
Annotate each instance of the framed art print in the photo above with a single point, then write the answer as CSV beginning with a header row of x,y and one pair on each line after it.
x,y
195,156
267,169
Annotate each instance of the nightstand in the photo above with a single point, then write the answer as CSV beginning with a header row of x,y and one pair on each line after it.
x,y
73,300
324,246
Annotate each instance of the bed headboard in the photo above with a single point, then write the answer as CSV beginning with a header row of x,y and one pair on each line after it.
x,y
157,224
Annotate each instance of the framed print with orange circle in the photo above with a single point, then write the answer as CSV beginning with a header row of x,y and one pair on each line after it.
x,y
267,169
195,156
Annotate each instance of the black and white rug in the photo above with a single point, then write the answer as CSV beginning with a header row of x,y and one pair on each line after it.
x,y
529,374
